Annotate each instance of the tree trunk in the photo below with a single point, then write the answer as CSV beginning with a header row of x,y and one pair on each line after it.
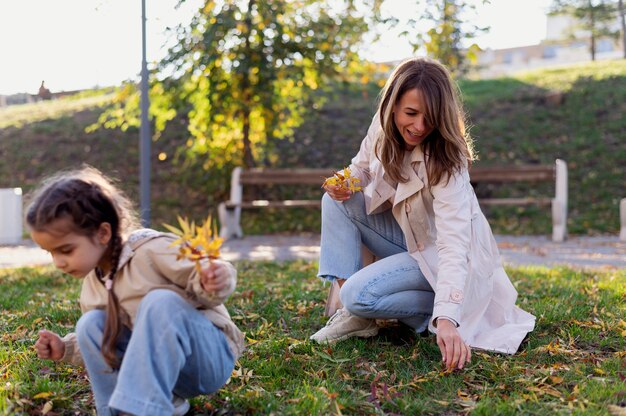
x,y
623,20
592,19
248,157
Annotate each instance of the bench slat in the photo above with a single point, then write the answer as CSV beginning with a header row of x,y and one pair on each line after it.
x,y
515,201
277,204
513,173
285,176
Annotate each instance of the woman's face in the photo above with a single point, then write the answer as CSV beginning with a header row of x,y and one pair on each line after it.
x,y
409,114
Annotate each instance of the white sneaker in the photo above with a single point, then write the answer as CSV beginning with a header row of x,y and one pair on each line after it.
x,y
181,406
343,325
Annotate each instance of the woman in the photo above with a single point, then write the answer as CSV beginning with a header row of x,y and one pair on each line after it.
x,y
439,265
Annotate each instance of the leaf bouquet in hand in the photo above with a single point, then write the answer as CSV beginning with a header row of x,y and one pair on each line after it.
x,y
196,242
344,180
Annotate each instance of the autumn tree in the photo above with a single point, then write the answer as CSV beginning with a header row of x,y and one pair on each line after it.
x,y
596,18
244,72
449,32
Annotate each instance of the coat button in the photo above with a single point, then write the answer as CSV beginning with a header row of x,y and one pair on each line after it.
x,y
456,296
407,208
420,247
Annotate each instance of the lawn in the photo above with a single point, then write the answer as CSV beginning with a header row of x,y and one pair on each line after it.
x,y
573,363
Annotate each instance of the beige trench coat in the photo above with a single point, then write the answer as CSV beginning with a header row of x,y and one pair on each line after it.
x,y
448,235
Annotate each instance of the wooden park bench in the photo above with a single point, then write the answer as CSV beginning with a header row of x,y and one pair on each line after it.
x,y
556,173
229,212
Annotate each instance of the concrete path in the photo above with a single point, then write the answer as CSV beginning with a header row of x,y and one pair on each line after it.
x,y
579,252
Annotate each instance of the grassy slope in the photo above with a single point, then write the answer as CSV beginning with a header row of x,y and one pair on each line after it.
x,y
512,120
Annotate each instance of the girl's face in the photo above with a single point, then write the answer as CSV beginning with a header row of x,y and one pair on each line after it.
x,y
73,253
409,115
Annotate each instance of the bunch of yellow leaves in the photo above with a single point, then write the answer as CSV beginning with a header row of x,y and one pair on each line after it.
x,y
344,180
195,242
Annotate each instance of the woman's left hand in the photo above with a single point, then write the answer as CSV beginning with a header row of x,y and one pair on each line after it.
x,y
455,353
214,277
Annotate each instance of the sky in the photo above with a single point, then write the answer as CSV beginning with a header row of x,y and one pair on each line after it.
x,y
80,44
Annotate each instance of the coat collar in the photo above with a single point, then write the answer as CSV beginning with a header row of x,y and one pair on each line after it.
x,y
382,190
135,239
411,163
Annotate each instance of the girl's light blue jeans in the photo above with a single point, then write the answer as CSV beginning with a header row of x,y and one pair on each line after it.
x,y
172,349
391,288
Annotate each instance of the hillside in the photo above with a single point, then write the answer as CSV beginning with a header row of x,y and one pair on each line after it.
x,y
576,113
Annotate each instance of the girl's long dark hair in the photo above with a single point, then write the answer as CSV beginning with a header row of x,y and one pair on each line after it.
x,y
86,199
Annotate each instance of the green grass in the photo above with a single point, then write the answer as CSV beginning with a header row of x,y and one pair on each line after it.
x,y
574,362
20,115
513,122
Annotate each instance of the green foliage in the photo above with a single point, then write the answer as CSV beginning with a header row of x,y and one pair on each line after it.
x,y
243,73
572,363
446,39
595,17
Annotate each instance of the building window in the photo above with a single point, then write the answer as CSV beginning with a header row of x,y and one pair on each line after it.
x,y
604,45
550,52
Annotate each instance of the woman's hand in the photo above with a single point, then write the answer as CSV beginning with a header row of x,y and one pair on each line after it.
x,y
49,346
455,353
338,193
215,277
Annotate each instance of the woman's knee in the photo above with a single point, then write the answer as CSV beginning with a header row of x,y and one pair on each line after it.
x,y
353,208
91,324
354,299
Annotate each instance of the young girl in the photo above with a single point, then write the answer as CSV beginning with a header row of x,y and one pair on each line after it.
x,y
440,267
154,331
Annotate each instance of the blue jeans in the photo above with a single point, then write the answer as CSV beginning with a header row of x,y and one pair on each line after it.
x,y
172,349
391,288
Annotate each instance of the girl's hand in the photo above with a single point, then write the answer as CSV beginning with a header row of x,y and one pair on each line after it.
x,y
214,277
49,346
338,193
455,353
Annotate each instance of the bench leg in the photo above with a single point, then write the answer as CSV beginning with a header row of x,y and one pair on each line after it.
x,y
229,222
622,216
559,221
559,203
333,302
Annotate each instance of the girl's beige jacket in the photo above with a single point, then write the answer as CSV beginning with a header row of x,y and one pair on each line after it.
x,y
148,262
448,235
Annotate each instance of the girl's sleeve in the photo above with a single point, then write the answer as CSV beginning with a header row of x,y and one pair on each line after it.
x,y
453,222
360,166
72,353
212,299
184,274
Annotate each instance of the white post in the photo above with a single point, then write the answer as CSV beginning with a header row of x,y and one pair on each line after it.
x,y
10,216
559,203
230,218
622,216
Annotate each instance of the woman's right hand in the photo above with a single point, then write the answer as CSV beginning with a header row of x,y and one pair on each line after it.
x,y
455,353
338,193
49,346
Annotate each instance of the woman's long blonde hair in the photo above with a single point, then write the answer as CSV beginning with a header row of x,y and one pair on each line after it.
x,y
449,146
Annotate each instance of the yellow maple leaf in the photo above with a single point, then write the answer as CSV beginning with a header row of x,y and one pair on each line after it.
x,y
195,242
344,180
